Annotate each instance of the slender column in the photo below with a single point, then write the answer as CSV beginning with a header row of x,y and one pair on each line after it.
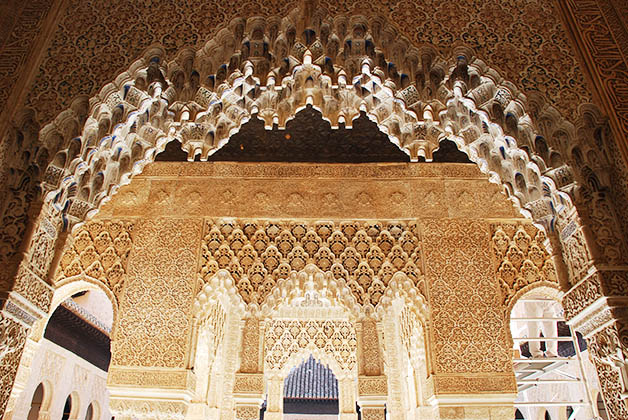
x,y
25,295
598,308
248,388
347,398
12,341
43,415
596,303
274,409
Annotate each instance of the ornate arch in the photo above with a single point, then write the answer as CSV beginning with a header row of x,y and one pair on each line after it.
x,y
270,69
402,287
311,288
321,356
548,289
66,289
220,287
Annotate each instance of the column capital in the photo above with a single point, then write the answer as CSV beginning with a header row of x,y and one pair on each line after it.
x,y
247,411
247,384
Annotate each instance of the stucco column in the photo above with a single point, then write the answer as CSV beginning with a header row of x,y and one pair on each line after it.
x,y
347,398
248,395
274,408
597,307
248,386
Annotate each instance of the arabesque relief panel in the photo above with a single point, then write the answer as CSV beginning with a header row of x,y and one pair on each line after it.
x,y
469,329
156,304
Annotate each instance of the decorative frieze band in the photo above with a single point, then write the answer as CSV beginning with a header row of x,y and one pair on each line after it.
x,y
120,376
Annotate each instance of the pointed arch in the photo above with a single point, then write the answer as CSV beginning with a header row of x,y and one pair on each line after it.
x,y
401,287
321,356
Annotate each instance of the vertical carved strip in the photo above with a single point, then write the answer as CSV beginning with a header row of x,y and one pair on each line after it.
x,y
371,349
156,303
12,341
249,355
600,40
462,289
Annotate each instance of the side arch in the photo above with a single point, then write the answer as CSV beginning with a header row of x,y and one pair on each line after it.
x,y
67,289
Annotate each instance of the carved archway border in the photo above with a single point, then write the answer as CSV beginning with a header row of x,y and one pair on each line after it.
x,y
469,103
67,288
400,286
551,290
342,295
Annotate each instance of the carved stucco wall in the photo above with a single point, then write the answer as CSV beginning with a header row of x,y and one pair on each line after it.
x,y
170,256
527,43
171,248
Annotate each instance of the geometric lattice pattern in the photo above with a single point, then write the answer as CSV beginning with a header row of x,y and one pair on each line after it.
x,y
365,254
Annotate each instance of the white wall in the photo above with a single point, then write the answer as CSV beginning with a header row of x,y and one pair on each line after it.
x,y
66,373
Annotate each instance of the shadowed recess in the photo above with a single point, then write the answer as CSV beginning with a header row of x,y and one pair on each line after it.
x,y
310,138
307,138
